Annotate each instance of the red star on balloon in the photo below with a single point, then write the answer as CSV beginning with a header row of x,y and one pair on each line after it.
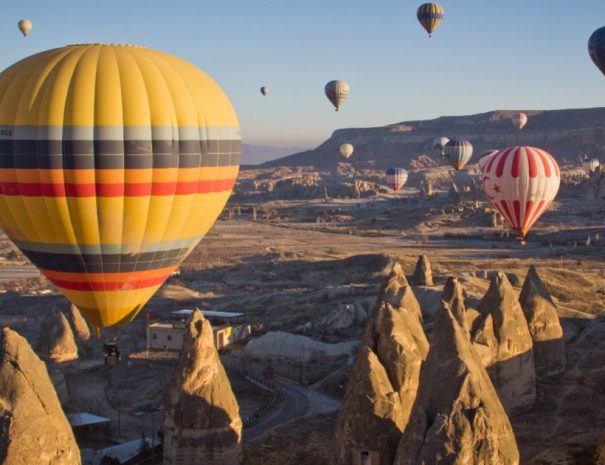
x,y
497,188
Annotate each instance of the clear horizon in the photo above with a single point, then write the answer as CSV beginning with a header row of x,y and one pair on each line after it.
x,y
504,55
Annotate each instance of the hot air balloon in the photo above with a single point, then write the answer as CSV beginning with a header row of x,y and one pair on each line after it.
x,y
346,150
521,182
484,158
24,25
120,161
596,48
459,152
430,16
396,177
590,166
519,120
264,90
439,144
337,92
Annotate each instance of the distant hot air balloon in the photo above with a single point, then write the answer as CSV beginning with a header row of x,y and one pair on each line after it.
x,y
396,177
484,158
24,25
346,150
264,90
337,92
439,144
596,48
459,152
430,16
519,120
590,166
521,182
119,163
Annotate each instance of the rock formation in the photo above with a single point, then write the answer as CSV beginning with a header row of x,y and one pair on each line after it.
x,y
503,342
453,295
78,324
544,326
426,188
397,291
401,346
423,276
457,418
56,342
454,193
344,316
34,427
371,418
201,419
383,385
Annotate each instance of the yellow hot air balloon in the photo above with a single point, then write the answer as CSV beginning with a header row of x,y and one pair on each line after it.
x,y
430,16
24,25
346,150
115,161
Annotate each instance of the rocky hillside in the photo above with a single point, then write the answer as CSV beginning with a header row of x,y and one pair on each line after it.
x,y
566,134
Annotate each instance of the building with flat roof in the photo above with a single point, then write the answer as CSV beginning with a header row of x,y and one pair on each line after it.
x,y
228,327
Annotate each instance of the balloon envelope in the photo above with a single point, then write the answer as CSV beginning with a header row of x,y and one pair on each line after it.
x,y
596,48
119,163
459,152
24,25
346,150
521,182
396,177
519,120
264,90
484,158
439,144
337,92
430,16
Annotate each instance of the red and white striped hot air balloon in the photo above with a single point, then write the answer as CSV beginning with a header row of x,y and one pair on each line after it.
x,y
521,182
484,157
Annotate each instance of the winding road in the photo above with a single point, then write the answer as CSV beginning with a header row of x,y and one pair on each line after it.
x,y
293,401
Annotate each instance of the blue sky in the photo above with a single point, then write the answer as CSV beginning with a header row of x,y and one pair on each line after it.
x,y
490,54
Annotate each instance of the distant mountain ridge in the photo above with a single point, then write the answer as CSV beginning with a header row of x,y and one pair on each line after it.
x,y
253,154
566,134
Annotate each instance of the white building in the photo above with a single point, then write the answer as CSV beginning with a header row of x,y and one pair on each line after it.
x,y
228,327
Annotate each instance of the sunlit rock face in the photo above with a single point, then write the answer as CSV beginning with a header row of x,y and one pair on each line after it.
x,y
423,275
34,428
201,420
57,342
544,326
458,418
503,342
383,385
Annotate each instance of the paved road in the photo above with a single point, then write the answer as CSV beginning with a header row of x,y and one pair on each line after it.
x,y
294,401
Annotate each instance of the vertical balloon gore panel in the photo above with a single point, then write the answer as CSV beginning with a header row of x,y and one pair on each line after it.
x,y
115,160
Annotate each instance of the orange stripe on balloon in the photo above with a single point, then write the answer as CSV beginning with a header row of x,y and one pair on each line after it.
x,y
98,277
107,176
109,285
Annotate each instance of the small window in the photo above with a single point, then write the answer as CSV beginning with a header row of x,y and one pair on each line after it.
x,y
154,336
169,337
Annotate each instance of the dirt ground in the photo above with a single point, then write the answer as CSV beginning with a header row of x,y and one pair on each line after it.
x,y
298,262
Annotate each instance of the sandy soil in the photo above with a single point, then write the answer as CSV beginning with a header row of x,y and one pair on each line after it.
x,y
297,263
